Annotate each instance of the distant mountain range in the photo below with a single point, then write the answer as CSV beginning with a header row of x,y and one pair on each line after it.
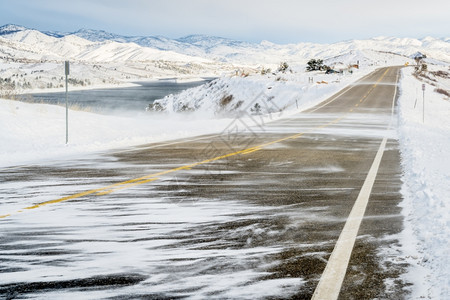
x,y
203,42
98,45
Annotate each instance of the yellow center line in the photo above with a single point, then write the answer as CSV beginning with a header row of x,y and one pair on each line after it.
x,y
152,177
109,191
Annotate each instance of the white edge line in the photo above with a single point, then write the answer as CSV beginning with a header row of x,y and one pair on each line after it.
x,y
331,280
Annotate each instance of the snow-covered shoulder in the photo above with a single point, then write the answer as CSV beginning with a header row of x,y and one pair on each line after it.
x,y
425,144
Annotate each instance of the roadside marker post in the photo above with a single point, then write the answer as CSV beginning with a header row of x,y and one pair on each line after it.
x,y
415,102
423,108
66,67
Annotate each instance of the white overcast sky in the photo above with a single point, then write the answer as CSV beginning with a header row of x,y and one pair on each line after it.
x,y
279,21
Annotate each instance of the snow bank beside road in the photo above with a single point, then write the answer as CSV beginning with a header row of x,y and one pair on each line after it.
x,y
425,149
258,94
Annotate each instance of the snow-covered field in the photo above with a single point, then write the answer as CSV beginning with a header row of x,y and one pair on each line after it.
x,y
32,133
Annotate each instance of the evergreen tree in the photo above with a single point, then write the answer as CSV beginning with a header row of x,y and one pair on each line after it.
x,y
315,65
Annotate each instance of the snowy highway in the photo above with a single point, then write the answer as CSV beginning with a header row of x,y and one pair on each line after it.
x,y
245,214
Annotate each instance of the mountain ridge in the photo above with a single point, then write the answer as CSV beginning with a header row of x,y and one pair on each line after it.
x,y
96,35
197,46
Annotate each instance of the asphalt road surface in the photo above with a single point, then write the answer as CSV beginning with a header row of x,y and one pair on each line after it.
x,y
252,213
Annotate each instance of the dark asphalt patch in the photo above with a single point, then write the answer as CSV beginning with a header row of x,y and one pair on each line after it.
x,y
12,291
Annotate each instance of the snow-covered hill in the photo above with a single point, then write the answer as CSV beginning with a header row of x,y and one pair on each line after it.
x,y
30,59
220,49
101,57
75,48
238,51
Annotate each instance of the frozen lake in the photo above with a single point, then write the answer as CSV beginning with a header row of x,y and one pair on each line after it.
x,y
130,99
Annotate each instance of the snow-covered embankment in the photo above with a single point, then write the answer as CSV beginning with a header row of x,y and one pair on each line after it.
x,y
425,151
